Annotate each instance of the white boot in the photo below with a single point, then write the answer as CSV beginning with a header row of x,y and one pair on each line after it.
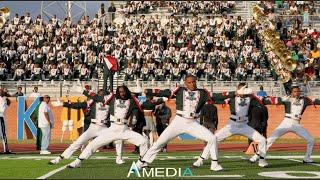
x,y
76,163
263,163
141,165
254,158
56,160
198,163
119,160
215,166
308,160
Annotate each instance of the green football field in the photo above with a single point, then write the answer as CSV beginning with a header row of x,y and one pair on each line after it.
x,y
167,165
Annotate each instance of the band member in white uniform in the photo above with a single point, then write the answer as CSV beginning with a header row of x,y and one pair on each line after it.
x,y
189,102
294,105
122,106
99,113
240,103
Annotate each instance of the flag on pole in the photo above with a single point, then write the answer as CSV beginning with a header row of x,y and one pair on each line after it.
x,y
111,63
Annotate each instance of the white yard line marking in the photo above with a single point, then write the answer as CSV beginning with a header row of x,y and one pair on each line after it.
x,y
162,157
216,176
315,164
51,173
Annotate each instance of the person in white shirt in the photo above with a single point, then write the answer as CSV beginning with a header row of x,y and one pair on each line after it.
x,y
35,92
4,104
45,123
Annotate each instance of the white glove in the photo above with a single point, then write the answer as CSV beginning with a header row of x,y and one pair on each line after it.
x,y
248,91
285,98
241,91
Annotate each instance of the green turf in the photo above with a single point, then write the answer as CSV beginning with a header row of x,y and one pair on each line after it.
x,y
24,168
107,169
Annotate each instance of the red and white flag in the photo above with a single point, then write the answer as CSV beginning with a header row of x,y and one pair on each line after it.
x,y
111,62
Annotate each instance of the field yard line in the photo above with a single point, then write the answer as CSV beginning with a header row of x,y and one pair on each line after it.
x,y
217,176
162,156
52,172
302,161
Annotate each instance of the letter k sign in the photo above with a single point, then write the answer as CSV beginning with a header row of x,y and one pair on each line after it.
x,y
24,116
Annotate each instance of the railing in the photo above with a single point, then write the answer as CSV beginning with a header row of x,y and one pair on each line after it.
x,y
63,88
271,87
314,88
52,88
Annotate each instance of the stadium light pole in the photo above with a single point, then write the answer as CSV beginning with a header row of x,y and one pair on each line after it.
x,y
73,9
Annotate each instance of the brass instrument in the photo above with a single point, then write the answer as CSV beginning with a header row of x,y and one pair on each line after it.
x,y
4,14
282,62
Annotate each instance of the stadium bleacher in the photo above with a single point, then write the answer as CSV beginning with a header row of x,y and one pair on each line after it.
x,y
159,35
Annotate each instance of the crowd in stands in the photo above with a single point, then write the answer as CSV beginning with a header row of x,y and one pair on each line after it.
x,y
156,47
178,7
201,7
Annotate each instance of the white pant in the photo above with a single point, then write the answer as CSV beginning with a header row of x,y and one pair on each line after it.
x,y
240,128
290,125
150,124
114,133
46,136
179,126
90,133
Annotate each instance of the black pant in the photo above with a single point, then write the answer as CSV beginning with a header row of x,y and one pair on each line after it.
x,y
39,138
262,131
4,135
160,128
107,74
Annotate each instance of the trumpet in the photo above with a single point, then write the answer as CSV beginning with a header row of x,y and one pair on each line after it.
x,y
4,14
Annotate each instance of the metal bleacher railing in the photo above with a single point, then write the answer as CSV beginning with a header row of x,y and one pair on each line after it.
x,y
62,88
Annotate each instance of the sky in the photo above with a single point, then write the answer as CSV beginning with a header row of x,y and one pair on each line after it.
x,y
34,7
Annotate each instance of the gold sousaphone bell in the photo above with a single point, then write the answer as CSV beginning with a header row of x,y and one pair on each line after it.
x,y
4,14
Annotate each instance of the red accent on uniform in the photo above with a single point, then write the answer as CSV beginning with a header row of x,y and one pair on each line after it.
x,y
272,99
157,90
209,97
174,92
85,110
225,93
111,63
108,100
135,100
257,98
91,93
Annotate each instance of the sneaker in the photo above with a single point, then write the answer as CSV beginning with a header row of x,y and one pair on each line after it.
x,y
119,160
55,161
307,161
76,163
164,150
263,163
140,165
254,158
215,166
44,152
198,163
